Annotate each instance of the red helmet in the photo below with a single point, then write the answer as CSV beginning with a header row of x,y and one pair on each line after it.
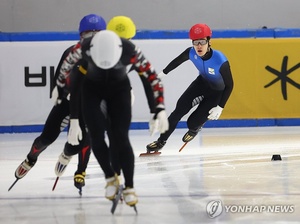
x,y
199,31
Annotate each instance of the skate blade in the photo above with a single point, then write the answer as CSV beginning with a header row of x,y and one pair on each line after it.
x,y
13,184
53,188
116,200
134,207
79,189
182,146
150,154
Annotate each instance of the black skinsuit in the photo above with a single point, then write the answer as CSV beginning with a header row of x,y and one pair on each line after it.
x,y
57,120
206,91
114,87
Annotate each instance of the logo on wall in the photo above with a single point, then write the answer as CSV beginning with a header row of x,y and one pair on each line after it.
x,y
282,76
39,79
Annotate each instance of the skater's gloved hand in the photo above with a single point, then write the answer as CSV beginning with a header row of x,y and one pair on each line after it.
x,y
161,75
153,124
132,97
75,132
215,113
159,122
56,95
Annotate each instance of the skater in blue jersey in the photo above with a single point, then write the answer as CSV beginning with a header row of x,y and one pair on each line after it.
x,y
209,91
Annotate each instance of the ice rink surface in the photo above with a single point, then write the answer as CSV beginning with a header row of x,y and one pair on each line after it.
x,y
225,175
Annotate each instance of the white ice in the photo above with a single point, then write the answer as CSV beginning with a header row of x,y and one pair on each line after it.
x,y
228,165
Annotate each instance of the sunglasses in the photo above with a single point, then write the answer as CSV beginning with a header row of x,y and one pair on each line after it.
x,y
201,42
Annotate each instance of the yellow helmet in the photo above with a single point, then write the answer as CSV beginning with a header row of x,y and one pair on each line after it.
x,y
123,26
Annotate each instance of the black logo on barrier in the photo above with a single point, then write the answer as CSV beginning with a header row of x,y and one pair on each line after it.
x,y
39,79
283,76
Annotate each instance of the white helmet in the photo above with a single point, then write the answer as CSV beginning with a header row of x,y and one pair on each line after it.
x,y
106,49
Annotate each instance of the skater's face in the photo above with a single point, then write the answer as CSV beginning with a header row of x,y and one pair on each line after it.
x,y
88,34
201,46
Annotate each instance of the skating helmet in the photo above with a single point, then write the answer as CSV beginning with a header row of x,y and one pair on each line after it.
x,y
106,49
200,31
123,26
92,22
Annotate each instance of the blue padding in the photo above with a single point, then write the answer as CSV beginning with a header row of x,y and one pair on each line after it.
x,y
288,122
234,34
182,124
21,129
139,125
265,33
280,33
4,37
183,34
156,34
241,123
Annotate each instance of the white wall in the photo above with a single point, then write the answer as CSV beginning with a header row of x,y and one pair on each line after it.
x,y
21,105
64,15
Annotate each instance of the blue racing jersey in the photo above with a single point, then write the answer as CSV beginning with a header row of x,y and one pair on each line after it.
x,y
210,69
213,68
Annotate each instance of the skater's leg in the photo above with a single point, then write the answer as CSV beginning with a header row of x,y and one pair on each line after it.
x,y
70,150
114,154
120,122
183,106
83,159
53,126
95,121
198,118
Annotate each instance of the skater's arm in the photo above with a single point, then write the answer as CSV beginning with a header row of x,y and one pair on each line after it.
x,y
184,56
63,57
75,88
145,69
228,81
69,62
149,93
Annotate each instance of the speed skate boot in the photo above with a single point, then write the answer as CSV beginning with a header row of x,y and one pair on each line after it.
x,y
79,179
190,135
129,196
61,164
156,145
112,187
24,168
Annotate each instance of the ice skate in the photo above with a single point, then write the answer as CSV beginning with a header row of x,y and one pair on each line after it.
x,y
79,181
61,164
156,145
130,197
152,148
112,186
189,136
21,171
23,168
